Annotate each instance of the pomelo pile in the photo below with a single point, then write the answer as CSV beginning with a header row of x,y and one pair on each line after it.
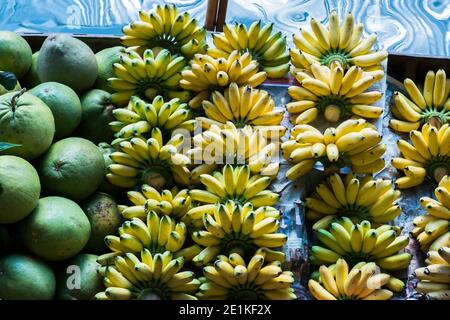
x,y
95,183
54,213
82,134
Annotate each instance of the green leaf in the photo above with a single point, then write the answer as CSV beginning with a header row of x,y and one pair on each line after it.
x,y
8,80
7,145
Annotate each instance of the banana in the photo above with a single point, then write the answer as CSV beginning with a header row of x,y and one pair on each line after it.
x,y
248,106
134,275
426,106
358,242
206,76
238,148
259,41
136,77
234,186
353,141
334,92
432,228
422,157
166,28
395,262
360,283
230,277
337,43
146,153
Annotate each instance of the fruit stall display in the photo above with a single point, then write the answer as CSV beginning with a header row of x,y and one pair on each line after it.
x,y
185,165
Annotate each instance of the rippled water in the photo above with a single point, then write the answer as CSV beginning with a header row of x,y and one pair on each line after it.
x,y
406,26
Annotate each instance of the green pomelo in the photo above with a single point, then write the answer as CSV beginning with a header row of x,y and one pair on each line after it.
x,y
19,189
3,90
65,106
105,61
79,279
15,54
28,122
96,115
73,168
101,210
56,230
106,186
67,60
26,278
31,79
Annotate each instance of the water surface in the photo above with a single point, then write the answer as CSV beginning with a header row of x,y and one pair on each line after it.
x,y
404,26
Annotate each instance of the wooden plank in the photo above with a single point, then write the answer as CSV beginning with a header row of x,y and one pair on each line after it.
x,y
400,66
211,15
96,42
221,15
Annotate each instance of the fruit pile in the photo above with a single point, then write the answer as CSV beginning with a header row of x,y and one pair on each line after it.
x,y
147,168
137,214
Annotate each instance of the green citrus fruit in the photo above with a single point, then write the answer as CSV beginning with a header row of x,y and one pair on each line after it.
x,y
19,189
96,115
65,106
79,279
56,230
25,278
73,168
15,54
101,210
67,60
105,61
27,121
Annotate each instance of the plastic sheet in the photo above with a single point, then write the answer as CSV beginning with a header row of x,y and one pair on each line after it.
x,y
290,204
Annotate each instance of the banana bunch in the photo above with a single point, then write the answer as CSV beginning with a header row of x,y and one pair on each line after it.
x,y
432,228
208,74
334,92
361,242
231,278
428,154
232,145
244,106
151,162
428,105
268,48
174,203
434,280
231,228
343,44
358,198
147,276
165,28
362,282
148,76
355,143
139,117
157,234
233,184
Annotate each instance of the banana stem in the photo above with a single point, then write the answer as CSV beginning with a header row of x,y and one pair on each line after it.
x,y
435,122
151,93
236,247
332,113
149,294
15,97
331,169
439,173
246,294
157,177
